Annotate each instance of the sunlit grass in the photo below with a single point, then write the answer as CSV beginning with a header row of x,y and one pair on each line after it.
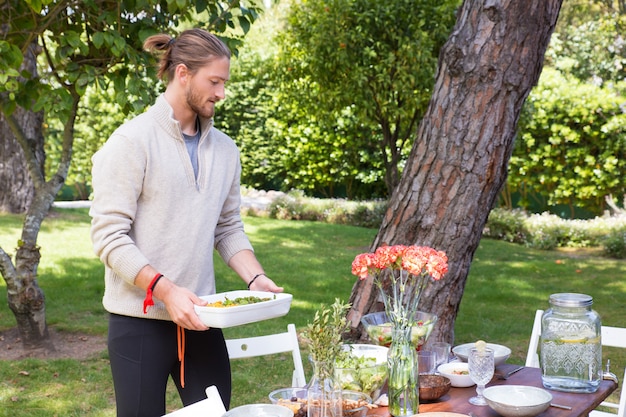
x,y
507,283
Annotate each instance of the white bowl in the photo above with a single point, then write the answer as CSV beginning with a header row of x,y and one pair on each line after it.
x,y
457,373
500,353
259,410
517,400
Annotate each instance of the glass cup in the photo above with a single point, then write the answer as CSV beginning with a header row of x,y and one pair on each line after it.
x,y
481,368
426,362
442,351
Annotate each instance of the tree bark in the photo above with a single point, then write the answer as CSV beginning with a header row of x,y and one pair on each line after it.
x,y
458,163
16,187
25,298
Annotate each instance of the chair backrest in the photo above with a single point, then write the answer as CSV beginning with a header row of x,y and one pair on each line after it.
x,y
532,358
215,403
268,345
212,406
611,337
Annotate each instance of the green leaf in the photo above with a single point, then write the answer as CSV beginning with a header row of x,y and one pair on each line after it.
x,y
98,39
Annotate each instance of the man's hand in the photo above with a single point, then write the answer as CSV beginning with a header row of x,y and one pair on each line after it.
x,y
179,303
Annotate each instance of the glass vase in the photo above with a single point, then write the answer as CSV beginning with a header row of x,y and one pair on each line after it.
x,y
324,394
403,386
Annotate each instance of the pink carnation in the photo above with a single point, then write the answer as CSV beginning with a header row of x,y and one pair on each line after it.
x,y
362,264
416,260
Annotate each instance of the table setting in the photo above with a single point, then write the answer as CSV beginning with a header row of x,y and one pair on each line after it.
x,y
400,374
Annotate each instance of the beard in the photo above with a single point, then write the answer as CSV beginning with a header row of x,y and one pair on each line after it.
x,y
202,108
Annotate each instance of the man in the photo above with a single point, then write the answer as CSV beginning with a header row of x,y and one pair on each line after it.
x,y
166,193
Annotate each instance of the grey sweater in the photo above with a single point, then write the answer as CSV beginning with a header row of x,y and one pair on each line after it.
x,y
148,208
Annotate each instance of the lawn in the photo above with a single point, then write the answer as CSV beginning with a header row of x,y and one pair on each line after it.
x,y
507,283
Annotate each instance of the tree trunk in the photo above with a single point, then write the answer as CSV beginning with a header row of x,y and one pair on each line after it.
x,y
16,188
458,163
25,298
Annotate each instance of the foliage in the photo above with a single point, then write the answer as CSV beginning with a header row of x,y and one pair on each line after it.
x,y
94,49
541,231
295,206
548,231
571,144
592,50
323,335
283,144
359,74
331,103
615,243
99,116
506,225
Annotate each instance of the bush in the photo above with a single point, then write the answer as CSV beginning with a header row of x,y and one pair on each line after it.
x,y
507,225
615,244
296,206
541,231
548,231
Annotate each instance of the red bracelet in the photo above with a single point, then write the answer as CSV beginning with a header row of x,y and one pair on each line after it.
x,y
147,302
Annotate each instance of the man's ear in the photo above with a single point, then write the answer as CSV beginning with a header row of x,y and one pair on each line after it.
x,y
182,73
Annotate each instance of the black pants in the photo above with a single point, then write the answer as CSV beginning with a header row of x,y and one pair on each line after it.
x,y
144,353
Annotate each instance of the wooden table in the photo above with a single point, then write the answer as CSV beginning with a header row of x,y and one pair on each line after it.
x,y
456,400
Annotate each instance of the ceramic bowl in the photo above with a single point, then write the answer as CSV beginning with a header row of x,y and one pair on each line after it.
x,y
433,387
517,400
364,369
378,328
457,373
500,353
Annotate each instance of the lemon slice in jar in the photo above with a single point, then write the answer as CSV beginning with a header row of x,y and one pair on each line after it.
x,y
480,345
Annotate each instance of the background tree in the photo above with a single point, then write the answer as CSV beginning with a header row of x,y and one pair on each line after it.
x,y
82,43
458,163
376,59
570,151
354,78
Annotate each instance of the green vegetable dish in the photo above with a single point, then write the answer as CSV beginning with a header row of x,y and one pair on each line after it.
x,y
360,373
239,301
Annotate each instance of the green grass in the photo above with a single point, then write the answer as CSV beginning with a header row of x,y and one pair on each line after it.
x,y
507,283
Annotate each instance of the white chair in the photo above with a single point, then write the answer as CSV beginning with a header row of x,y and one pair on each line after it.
x,y
611,337
212,406
268,345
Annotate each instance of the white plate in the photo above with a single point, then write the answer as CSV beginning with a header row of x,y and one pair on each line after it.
x,y
500,352
222,317
260,410
439,414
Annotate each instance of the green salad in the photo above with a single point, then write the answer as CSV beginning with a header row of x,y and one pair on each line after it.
x,y
358,373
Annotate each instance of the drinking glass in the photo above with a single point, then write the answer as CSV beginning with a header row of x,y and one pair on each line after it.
x,y
481,367
426,362
442,351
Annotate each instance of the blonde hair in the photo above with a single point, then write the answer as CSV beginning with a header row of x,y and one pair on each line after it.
x,y
194,47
